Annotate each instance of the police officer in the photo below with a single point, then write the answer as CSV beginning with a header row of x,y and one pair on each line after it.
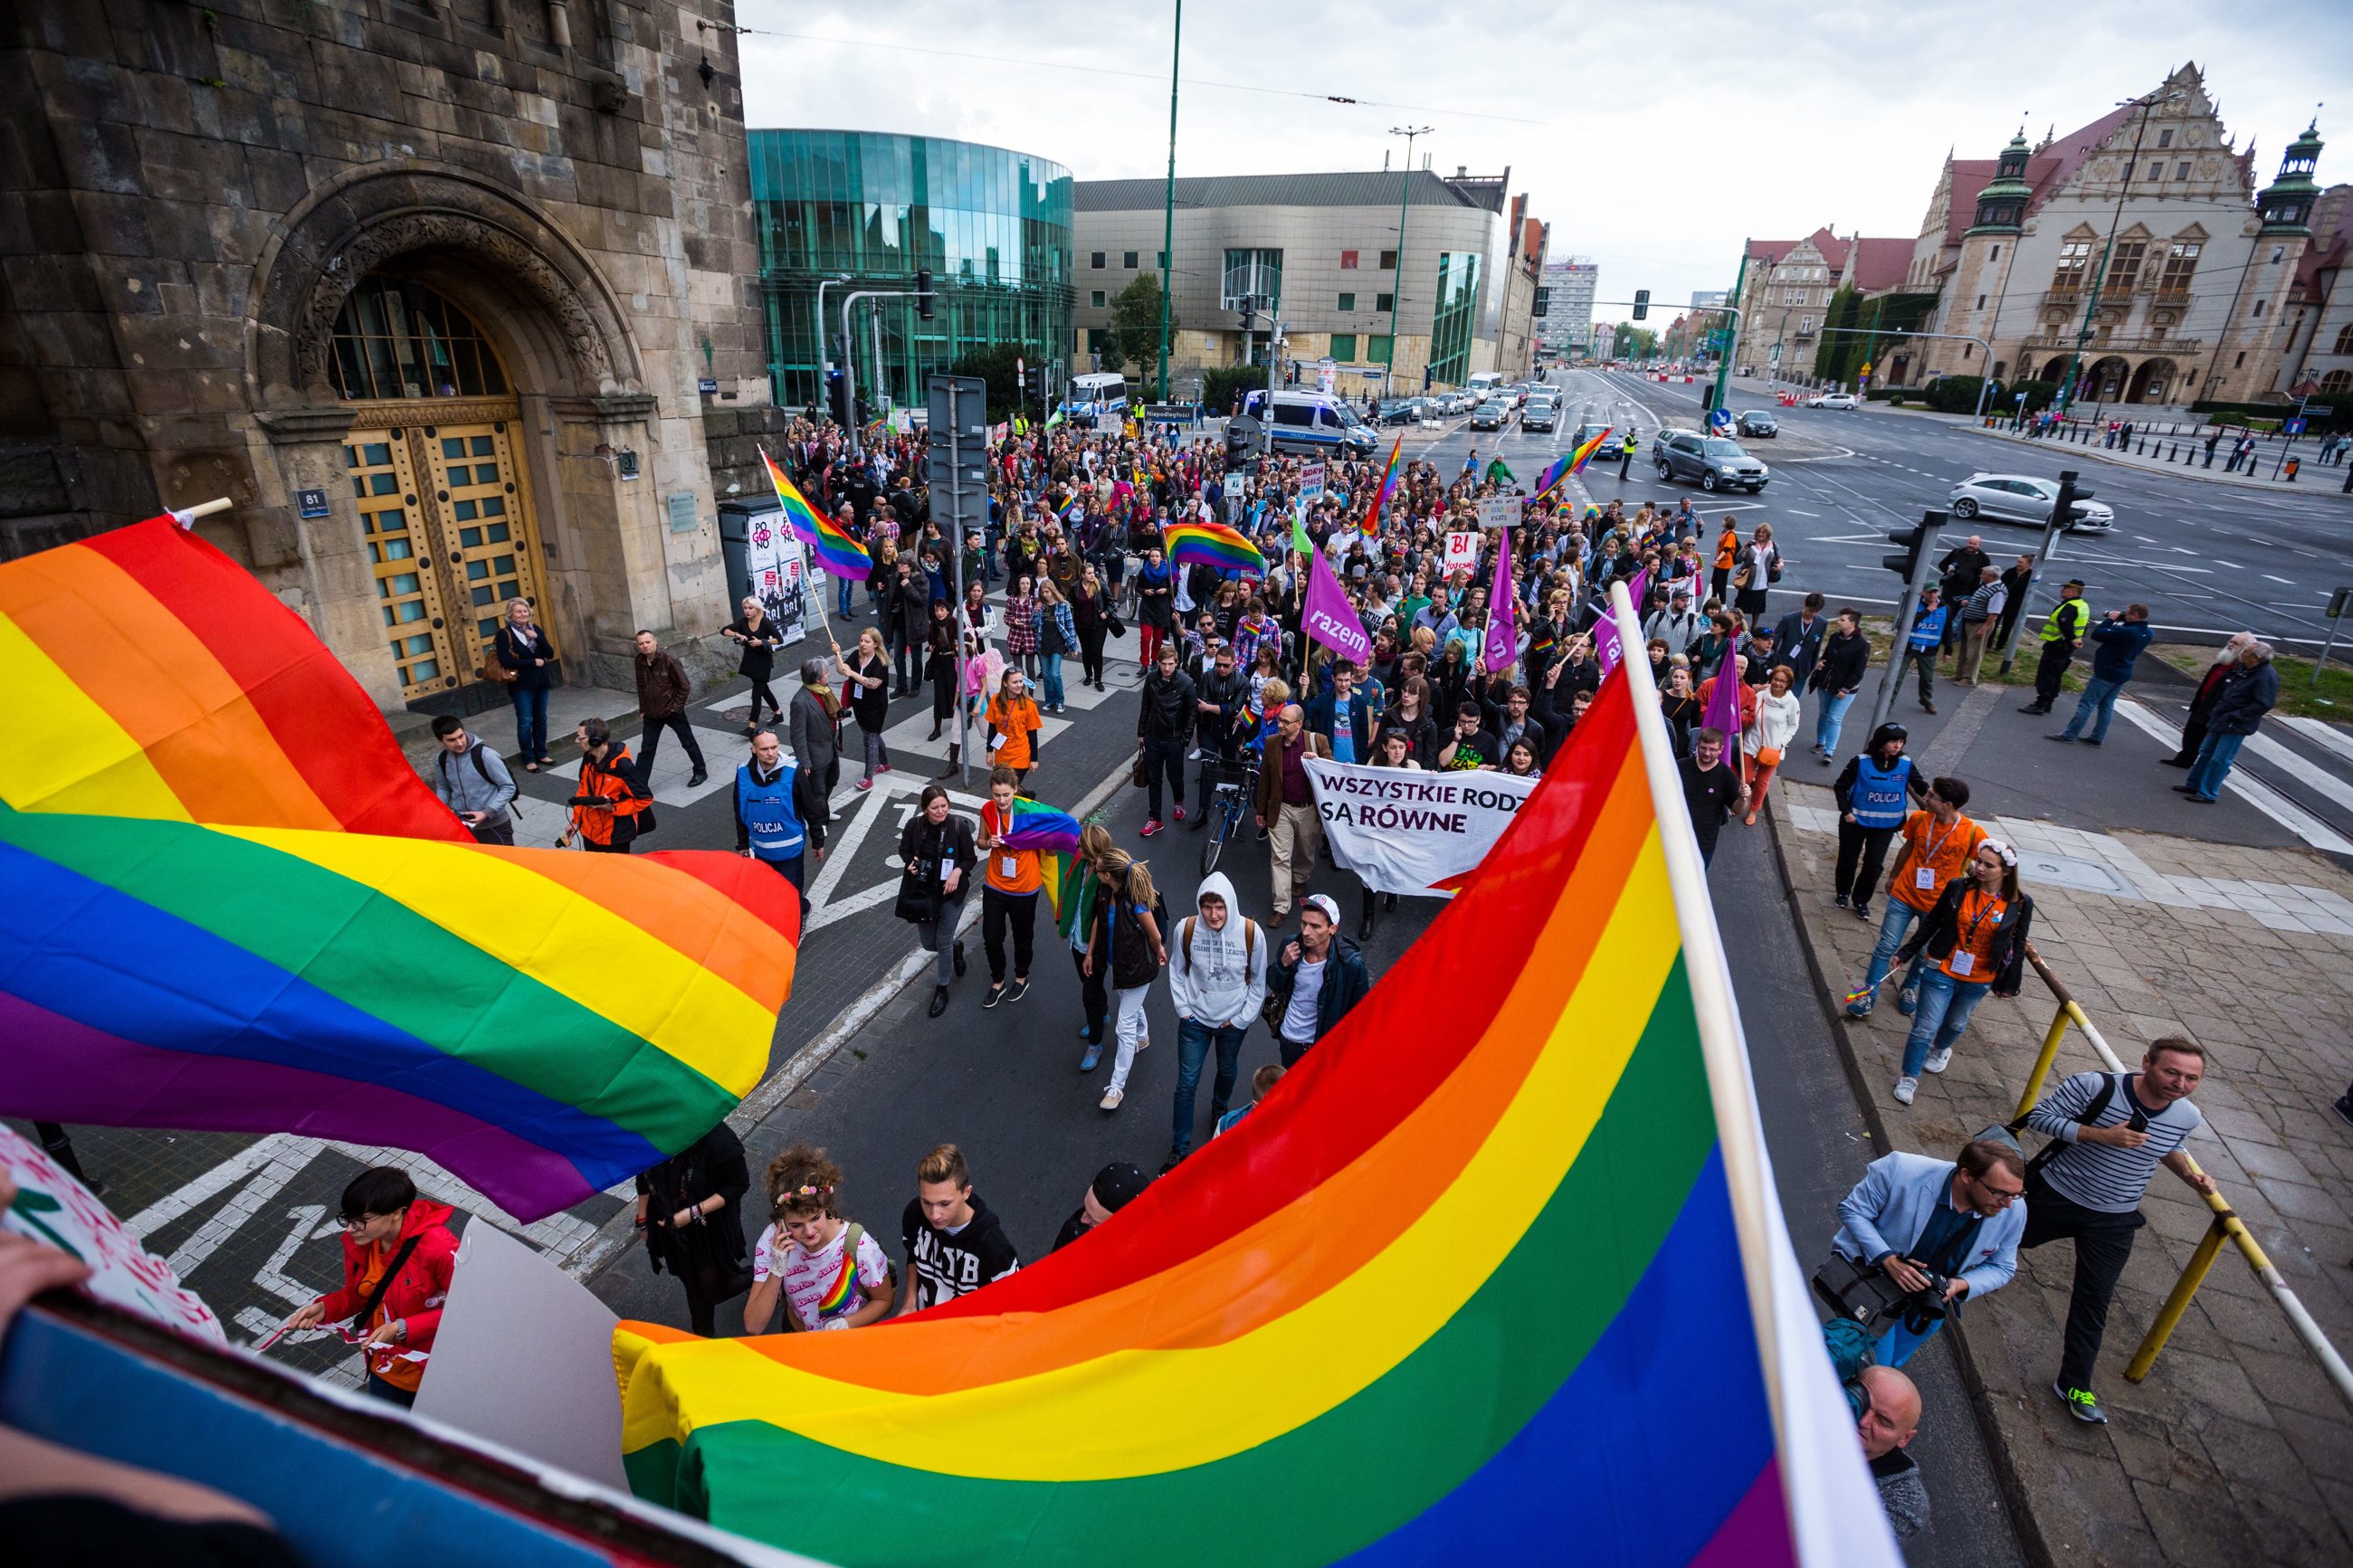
x,y
767,821
1873,796
1626,449
2062,630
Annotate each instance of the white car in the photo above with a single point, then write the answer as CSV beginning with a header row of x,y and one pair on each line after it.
x,y
1834,400
2022,498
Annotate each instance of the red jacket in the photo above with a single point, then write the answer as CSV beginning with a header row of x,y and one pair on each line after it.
x,y
418,1292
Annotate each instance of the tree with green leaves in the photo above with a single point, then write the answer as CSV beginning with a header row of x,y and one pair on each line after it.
x,y
994,365
1135,325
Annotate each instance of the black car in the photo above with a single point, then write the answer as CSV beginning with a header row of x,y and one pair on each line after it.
x,y
1492,415
1759,424
1541,414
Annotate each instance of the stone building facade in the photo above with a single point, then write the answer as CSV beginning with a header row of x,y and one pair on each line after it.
x,y
446,298
2200,263
1785,293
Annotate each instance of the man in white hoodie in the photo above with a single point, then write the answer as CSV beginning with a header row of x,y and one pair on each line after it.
x,y
1217,980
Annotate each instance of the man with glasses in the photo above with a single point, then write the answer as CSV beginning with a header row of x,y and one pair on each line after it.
x,y
1911,1217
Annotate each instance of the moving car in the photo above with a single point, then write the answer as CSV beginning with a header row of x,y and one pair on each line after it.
x,y
2022,498
1834,400
1586,432
1717,464
1302,422
1452,403
1542,412
1401,411
1492,415
1757,423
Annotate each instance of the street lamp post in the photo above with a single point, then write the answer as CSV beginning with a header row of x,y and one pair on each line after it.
x,y
1169,206
1397,278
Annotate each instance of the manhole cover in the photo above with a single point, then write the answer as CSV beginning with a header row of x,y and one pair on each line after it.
x,y
2036,866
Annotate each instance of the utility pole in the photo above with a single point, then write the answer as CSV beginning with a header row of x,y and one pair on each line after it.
x,y
1397,279
1724,368
2092,306
1168,205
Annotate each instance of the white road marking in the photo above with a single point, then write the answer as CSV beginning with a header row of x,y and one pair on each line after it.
x,y
1795,512
2232,564
2324,734
2284,582
2326,786
2256,793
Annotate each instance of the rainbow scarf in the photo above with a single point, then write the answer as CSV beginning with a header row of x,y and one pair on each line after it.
x,y
1262,1337
1372,524
835,550
210,843
1584,454
1206,543
837,1298
1033,824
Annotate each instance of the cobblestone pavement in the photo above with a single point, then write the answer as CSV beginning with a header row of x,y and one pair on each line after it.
x,y
2236,1449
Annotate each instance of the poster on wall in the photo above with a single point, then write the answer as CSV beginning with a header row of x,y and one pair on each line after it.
x,y
778,564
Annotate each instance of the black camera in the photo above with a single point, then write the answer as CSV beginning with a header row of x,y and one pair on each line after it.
x,y
1928,1304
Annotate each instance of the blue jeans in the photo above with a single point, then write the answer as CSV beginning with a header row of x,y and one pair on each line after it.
x,y
1193,1041
1833,720
1945,1005
531,723
2099,697
1891,927
841,596
2213,763
1052,663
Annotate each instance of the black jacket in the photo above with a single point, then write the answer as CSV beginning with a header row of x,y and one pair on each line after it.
x,y
1166,709
1346,982
712,1163
1845,657
1937,934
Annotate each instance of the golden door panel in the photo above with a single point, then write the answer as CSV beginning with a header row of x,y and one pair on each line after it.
x,y
488,548
400,550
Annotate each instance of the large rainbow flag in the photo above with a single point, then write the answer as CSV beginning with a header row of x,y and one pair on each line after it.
x,y
1213,545
1584,452
1388,488
230,903
1495,1272
835,550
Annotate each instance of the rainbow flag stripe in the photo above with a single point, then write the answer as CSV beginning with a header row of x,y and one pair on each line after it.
x,y
1552,476
1036,825
230,903
835,550
1213,545
1372,524
836,1300
1437,1298
1584,454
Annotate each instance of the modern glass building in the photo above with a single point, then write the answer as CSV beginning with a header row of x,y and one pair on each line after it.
x,y
1455,316
993,225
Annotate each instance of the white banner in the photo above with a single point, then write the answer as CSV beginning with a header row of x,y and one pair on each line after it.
x,y
1461,552
1500,512
1405,831
778,565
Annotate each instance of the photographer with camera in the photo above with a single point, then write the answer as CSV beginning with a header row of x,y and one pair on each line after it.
x,y
1918,1235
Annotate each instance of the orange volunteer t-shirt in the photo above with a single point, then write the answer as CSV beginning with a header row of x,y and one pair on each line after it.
x,y
1972,955
1010,870
1014,721
1932,855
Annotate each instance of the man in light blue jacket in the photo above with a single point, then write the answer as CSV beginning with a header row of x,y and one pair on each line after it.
x,y
1911,1215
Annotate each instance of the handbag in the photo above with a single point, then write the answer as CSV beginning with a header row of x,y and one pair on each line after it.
x,y
1112,624
1768,756
1859,1292
1140,775
493,667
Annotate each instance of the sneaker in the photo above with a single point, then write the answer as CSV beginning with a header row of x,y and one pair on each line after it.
x,y
1929,706
959,960
1019,989
1939,1060
1905,1088
1863,912
2064,739
2183,789
1907,999
2082,1403
1112,1097
866,782
2087,741
1151,825
2344,1108
996,995
1143,1044
1180,813
939,1000
1842,902
1095,1054
1086,1034
1176,1158
1859,1009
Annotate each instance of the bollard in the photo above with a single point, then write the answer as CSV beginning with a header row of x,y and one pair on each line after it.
x,y
2175,456
2168,1316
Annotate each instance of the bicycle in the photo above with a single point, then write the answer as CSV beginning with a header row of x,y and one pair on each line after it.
x,y
1232,789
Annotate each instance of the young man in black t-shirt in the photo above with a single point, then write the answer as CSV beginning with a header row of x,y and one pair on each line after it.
x,y
1471,745
954,1244
1711,789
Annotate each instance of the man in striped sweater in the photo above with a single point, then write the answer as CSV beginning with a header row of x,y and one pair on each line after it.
x,y
2108,1130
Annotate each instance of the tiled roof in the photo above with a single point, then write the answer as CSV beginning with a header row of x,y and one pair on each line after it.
x,y
1368,188
1880,264
2050,168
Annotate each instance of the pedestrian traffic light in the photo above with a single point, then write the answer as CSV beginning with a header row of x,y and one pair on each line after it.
x,y
924,293
1915,543
1641,304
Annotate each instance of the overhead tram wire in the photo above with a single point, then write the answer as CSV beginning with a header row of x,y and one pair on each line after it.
x,y
1139,75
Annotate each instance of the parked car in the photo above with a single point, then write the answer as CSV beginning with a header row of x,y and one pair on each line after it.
x,y
1834,400
1454,403
1757,423
1541,414
1492,415
1715,463
2022,498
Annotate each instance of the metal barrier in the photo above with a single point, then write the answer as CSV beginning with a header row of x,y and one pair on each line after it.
x,y
2225,1225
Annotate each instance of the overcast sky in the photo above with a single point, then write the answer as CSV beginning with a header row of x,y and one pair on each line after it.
x,y
1652,137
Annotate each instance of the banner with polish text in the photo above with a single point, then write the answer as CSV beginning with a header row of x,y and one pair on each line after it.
x,y
1405,831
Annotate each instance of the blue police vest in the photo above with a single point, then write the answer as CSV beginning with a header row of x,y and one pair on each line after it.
x,y
769,817
1877,799
1929,628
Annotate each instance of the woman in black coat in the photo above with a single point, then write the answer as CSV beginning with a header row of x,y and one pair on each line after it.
x,y
761,637
690,1208
1090,614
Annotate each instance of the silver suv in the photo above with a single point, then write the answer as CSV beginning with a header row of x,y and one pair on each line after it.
x,y
1716,464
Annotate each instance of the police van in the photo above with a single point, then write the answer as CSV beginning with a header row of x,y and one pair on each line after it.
x,y
1304,422
1097,398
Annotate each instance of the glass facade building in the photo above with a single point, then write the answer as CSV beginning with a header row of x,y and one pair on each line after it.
x,y
1456,316
993,225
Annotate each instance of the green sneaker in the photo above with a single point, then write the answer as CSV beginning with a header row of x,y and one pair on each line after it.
x,y
2082,1403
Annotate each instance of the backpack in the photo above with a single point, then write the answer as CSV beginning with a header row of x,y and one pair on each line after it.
x,y
1250,941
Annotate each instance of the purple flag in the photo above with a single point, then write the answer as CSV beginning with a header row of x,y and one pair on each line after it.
x,y
1329,618
1723,702
1503,624
1608,647
1638,589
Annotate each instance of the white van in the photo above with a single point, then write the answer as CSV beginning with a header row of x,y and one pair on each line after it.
x,y
1485,384
1097,396
1314,422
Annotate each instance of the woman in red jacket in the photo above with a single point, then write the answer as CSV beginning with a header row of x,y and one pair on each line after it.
x,y
398,1251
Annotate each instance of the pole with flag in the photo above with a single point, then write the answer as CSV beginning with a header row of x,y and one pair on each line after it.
x,y
1723,712
1502,645
1381,493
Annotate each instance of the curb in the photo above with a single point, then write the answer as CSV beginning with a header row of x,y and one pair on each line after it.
x,y
2175,470
617,1234
2015,1497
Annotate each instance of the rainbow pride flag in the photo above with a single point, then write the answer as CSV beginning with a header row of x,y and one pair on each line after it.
x,y
835,550
1036,825
1445,1295
1372,524
1584,454
230,903
1201,543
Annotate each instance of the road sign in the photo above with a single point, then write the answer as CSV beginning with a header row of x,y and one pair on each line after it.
x,y
1461,552
2292,427
1233,486
1720,420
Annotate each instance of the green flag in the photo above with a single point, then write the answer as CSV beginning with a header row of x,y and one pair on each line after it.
x,y
1053,419
1299,540
1501,475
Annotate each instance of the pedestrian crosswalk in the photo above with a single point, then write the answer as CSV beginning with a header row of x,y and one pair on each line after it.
x,y
2297,771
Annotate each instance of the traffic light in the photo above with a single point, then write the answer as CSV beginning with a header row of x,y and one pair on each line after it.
x,y
1906,562
2063,510
837,398
1641,304
1429,376
924,293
